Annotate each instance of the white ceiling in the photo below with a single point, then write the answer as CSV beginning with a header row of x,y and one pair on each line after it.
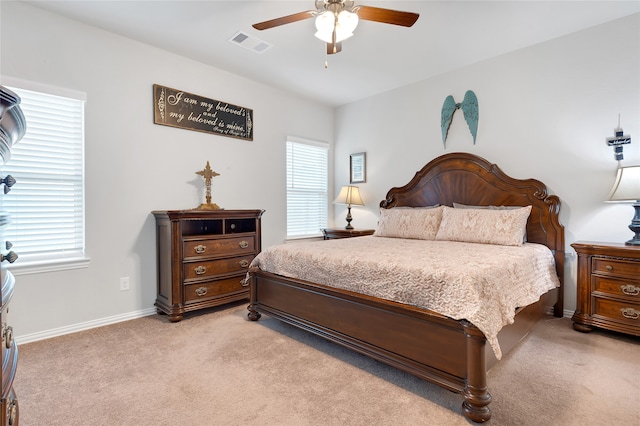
x,y
379,57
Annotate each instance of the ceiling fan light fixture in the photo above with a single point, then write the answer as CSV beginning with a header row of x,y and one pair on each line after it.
x,y
347,21
336,20
344,24
325,23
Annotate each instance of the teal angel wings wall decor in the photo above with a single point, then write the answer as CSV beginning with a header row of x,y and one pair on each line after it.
x,y
469,107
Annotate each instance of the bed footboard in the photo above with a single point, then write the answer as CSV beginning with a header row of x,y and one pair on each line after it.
x,y
443,351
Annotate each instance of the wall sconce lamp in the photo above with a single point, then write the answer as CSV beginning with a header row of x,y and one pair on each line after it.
x,y
349,195
626,189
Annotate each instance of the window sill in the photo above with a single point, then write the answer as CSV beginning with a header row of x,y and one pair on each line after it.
x,y
38,267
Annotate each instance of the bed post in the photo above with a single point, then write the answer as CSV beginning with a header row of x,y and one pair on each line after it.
x,y
476,397
253,314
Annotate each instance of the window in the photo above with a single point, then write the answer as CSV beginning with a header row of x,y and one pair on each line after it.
x,y
46,206
307,168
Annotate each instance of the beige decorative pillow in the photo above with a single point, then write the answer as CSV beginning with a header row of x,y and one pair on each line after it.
x,y
409,222
502,227
465,206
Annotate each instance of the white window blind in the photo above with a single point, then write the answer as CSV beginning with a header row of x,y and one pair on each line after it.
x,y
307,168
46,205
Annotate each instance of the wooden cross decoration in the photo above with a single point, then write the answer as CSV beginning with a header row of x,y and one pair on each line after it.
x,y
208,174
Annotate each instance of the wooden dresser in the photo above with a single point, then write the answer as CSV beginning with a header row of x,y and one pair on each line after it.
x,y
203,257
12,128
608,287
9,405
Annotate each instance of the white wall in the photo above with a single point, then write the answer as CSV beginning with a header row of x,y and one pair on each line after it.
x,y
545,113
134,166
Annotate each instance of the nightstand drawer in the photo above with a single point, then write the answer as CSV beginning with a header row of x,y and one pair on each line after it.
x,y
206,291
614,267
212,268
628,313
615,287
224,246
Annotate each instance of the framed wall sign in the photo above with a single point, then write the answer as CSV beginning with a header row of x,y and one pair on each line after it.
x,y
358,167
176,108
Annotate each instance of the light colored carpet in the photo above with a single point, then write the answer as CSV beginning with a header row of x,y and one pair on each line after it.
x,y
218,368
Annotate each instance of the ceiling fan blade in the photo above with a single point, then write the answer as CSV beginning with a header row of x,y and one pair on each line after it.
x,y
284,20
334,48
387,16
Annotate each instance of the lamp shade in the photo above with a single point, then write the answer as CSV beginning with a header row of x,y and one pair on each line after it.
x,y
324,24
344,23
349,195
627,185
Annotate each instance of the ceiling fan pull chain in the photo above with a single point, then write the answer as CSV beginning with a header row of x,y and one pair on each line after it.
x,y
326,59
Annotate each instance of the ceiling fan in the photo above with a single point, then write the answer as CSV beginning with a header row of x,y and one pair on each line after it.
x,y
336,20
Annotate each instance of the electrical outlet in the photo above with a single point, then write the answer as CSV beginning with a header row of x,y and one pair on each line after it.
x,y
124,284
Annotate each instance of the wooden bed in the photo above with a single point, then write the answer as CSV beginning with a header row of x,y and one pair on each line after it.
x,y
451,353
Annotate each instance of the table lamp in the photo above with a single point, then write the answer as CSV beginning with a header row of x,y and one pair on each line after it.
x,y
626,189
349,195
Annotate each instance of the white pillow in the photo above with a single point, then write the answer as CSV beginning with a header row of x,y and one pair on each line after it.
x,y
487,226
421,223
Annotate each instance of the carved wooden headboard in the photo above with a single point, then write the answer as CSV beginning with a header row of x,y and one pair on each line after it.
x,y
468,179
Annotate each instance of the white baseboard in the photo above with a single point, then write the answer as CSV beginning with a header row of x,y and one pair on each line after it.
x,y
54,332
565,313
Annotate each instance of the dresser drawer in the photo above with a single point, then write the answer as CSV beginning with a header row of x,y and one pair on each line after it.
x,y
10,409
616,267
621,288
212,268
205,291
220,246
628,313
7,333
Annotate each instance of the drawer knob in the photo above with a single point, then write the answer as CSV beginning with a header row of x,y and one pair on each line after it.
x,y
200,270
10,257
201,291
630,313
609,268
8,181
243,244
200,249
630,290
12,413
244,263
7,336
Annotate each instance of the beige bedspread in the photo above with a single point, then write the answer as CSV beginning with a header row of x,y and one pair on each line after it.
x,y
478,282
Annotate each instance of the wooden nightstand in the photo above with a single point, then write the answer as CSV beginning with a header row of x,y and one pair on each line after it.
x,y
332,234
608,287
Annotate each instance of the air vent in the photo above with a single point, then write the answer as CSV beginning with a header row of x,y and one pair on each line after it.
x,y
249,42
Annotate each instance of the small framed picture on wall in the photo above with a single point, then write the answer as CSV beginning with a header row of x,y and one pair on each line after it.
x,y
358,167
